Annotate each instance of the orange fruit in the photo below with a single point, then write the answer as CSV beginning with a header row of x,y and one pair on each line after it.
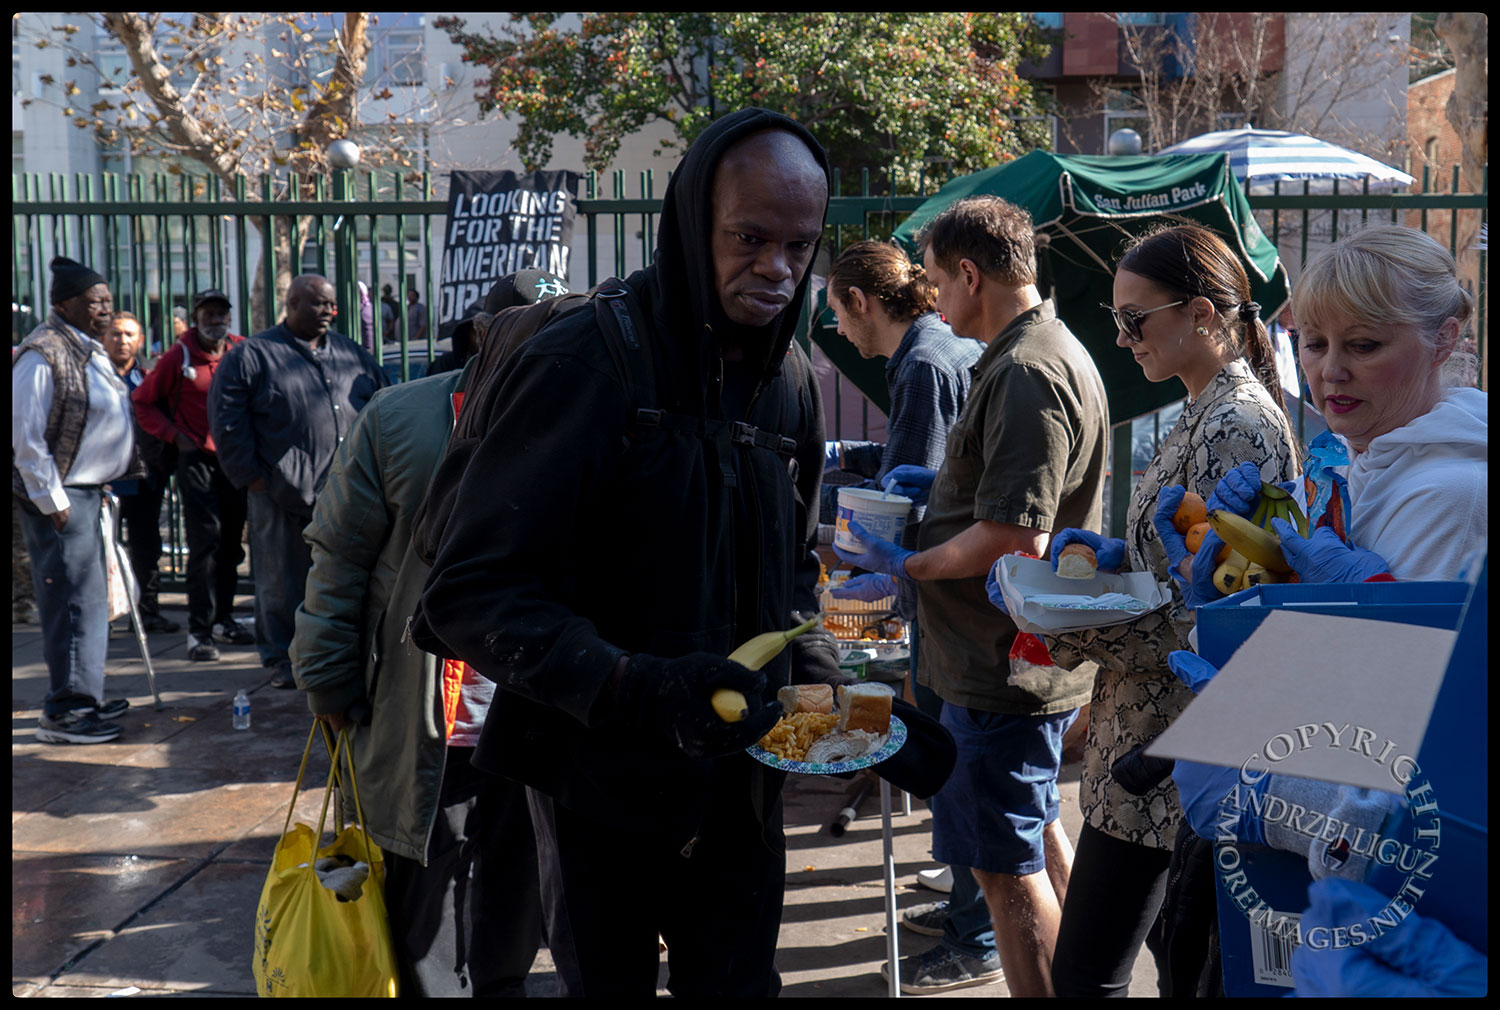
x,y
1190,513
1194,537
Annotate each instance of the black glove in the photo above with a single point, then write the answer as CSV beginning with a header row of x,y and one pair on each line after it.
x,y
1138,773
673,696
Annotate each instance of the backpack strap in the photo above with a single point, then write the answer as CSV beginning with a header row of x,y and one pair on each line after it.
x,y
620,319
619,316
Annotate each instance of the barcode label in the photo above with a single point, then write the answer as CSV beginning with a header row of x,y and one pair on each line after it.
x,y
1271,952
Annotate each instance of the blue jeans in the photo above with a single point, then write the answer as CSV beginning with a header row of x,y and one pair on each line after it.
x,y
968,930
281,560
72,600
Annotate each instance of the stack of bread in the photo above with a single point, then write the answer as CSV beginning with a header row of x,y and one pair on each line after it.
x,y
864,718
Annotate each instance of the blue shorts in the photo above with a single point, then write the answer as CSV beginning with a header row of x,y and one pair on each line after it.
x,y
1003,790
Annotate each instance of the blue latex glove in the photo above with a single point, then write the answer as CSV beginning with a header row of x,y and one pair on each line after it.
x,y
1323,557
1202,789
914,482
1420,958
1202,589
879,556
869,587
1109,551
1238,491
992,587
830,457
1168,500
1192,669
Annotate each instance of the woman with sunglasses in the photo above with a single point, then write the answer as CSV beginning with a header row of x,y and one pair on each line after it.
x,y
1183,308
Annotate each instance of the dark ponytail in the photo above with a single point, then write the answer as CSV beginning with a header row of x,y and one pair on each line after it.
x,y
1261,355
1194,262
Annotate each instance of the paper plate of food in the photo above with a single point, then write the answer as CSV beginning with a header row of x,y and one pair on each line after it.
x,y
823,732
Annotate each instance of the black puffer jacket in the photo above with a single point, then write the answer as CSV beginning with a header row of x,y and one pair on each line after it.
x,y
581,536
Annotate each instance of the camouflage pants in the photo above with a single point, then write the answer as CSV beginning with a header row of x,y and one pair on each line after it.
x,y
22,594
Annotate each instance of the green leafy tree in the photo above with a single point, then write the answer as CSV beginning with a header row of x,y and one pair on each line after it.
x,y
908,91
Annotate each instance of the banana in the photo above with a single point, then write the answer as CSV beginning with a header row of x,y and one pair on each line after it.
x,y
730,706
1295,516
1229,577
1262,512
1282,506
1252,542
1255,575
755,653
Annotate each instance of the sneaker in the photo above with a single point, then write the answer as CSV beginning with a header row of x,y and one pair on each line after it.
x,y
938,880
156,624
281,677
202,650
941,969
79,726
234,633
926,919
112,709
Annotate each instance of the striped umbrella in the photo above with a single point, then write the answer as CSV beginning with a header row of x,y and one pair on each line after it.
x,y
1271,156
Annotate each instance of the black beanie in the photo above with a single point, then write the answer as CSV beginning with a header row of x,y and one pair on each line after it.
x,y
70,279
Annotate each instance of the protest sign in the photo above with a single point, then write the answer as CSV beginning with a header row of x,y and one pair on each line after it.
x,y
501,222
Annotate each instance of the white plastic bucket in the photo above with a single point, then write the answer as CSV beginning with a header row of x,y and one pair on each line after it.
x,y
882,515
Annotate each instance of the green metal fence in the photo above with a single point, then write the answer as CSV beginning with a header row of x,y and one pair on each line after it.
x,y
163,237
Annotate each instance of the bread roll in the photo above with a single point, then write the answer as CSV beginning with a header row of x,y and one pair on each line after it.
x,y
865,707
806,698
1077,562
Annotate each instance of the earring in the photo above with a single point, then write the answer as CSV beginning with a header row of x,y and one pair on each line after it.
x,y
1202,331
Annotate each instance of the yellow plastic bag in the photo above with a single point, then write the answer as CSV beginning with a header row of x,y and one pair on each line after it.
x,y
307,941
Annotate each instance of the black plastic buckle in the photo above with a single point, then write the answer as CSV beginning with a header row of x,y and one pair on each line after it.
x,y
788,446
742,433
648,418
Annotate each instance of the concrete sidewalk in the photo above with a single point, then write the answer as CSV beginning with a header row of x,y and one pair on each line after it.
x,y
139,863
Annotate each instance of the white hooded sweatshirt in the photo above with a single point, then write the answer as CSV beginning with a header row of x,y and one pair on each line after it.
x,y
1419,495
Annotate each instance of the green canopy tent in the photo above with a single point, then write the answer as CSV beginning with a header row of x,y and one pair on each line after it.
x,y
1088,208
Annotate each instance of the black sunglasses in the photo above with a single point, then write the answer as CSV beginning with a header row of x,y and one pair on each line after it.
x,y
1128,321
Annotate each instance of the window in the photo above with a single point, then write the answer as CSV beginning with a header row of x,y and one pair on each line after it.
x,y
1123,110
1137,18
397,57
396,52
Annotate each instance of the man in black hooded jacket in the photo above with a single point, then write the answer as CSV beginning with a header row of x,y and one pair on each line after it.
x,y
604,559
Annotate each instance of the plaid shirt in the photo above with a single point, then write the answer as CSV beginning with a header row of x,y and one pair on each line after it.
x,y
929,378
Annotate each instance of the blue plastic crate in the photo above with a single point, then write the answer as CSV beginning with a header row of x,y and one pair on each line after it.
x,y
1224,624
1456,739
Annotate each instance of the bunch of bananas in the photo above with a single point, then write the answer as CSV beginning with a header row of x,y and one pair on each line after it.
x,y
1254,550
752,655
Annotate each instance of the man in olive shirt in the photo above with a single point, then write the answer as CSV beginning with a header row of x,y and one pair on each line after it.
x,y
1026,457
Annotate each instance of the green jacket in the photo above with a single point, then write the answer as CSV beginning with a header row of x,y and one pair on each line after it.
x,y
365,582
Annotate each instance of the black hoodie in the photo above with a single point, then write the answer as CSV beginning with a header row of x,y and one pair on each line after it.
x,y
581,537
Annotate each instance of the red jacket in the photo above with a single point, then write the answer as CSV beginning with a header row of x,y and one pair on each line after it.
x,y
168,401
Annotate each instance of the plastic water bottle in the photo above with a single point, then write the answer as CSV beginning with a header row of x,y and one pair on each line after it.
x,y
241,711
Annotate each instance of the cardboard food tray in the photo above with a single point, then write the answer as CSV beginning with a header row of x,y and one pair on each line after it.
x,y
1020,577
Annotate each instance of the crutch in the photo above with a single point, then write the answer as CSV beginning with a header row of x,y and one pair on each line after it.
x,y
131,591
